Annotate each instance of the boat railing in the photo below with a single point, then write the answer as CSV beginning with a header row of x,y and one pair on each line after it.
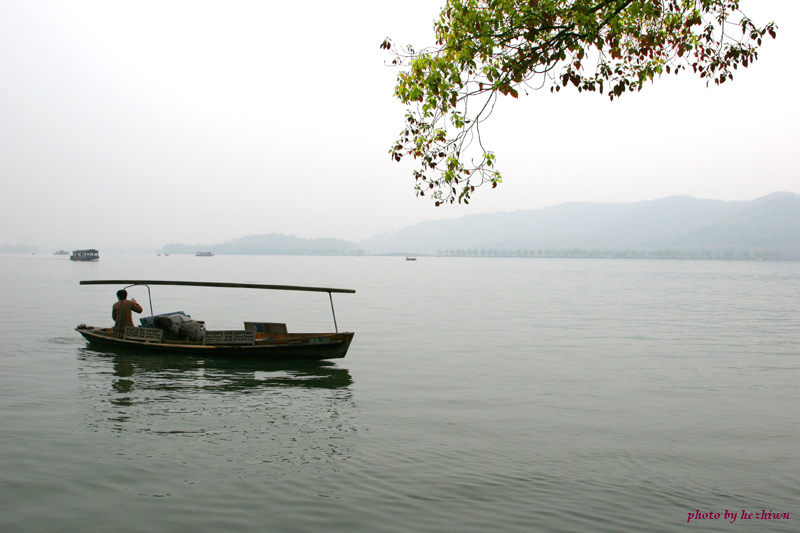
x,y
234,336
143,334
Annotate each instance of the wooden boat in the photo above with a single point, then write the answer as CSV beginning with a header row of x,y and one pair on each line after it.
x,y
265,340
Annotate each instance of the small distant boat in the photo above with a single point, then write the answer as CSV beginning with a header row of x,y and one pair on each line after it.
x,y
85,255
411,258
204,254
61,252
165,333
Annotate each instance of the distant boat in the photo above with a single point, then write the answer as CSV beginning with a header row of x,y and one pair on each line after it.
x,y
411,258
204,254
85,255
61,252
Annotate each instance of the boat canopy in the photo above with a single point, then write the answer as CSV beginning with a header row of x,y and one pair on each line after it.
x,y
131,282
85,255
148,282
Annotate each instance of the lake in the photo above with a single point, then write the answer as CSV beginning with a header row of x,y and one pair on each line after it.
x,y
478,395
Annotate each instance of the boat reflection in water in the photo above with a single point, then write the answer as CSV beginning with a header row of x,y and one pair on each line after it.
x,y
267,417
175,372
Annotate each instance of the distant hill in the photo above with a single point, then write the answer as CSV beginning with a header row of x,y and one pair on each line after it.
x,y
272,244
674,226
678,226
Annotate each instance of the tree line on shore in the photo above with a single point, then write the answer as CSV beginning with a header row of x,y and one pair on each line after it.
x,y
729,254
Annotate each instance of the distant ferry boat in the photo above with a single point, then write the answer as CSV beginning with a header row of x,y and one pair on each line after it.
x,y
85,255
61,252
204,254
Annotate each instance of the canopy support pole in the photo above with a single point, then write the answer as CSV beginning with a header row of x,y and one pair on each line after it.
x,y
148,294
335,327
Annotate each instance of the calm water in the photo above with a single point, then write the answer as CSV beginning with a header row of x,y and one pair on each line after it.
x,y
478,395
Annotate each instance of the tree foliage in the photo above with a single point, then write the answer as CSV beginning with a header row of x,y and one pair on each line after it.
x,y
486,48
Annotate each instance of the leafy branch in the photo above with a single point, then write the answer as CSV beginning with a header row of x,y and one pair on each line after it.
x,y
490,48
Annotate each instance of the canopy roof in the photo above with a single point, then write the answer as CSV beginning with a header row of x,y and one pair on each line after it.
x,y
213,284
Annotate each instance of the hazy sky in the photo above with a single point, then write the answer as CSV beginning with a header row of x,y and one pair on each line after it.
x,y
146,123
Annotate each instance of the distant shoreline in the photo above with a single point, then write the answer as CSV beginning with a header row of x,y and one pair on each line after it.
x,y
727,255
676,256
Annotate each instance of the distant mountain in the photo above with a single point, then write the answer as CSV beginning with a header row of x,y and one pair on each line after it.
x,y
678,226
766,226
272,244
772,222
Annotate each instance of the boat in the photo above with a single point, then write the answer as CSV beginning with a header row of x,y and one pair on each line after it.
x,y
411,258
85,255
264,340
61,252
204,254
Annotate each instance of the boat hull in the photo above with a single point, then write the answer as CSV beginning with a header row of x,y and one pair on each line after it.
x,y
312,346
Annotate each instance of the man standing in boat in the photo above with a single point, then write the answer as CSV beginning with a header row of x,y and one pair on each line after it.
x,y
121,311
